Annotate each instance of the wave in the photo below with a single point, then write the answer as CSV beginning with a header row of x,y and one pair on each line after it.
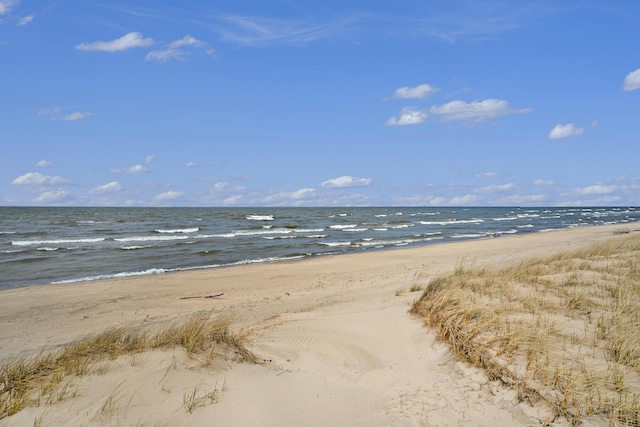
x,y
114,276
260,217
179,230
151,238
264,260
152,271
342,227
55,242
45,249
453,221
333,244
132,248
244,233
401,242
499,233
468,236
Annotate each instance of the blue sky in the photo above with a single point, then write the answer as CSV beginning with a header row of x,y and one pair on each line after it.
x,y
309,103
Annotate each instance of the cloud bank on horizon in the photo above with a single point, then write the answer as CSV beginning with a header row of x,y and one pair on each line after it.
x,y
291,103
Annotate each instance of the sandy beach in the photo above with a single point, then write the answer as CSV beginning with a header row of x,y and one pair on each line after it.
x,y
334,337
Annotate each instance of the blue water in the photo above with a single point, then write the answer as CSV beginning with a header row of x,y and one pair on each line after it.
x,y
49,245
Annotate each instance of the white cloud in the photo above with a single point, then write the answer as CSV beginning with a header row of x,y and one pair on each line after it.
x,y
632,81
176,49
76,116
168,195
52,196
464,200
523,199
128,41
419,91
7,5
422,200
37,179
232,200
544,182
220,186
565,131
48,111
408,116
54,114
302,193
25,20
112,187
476,111
44,164
150,158
191,165
223,189
132,169
346,181
488,175
596,189
496,188
254,31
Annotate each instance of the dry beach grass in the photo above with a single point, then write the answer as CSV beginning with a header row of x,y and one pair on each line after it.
x,y
45,378
564,328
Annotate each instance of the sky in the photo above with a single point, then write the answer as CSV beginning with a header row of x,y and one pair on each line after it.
x,y
319,103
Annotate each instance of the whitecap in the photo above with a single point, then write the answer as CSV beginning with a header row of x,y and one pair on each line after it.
x,y
55,242
260,217
336,243
151,238
453,221
179,230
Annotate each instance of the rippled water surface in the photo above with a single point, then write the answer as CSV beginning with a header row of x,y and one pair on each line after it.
x,y
44,245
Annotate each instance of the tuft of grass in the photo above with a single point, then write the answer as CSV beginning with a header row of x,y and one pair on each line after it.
x,y
565,329
31,380
416,287
192,400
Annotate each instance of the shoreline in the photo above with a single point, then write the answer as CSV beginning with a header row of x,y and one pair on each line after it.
x,y
342,318
151,282
258,262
